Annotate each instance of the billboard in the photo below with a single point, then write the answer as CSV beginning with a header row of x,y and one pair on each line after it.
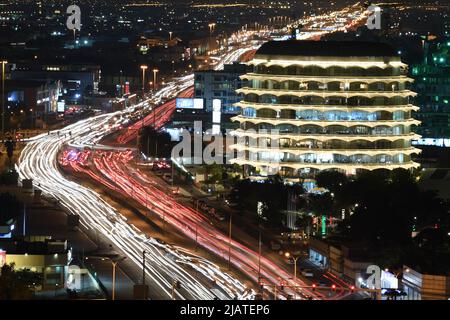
x,y
61,106
189,103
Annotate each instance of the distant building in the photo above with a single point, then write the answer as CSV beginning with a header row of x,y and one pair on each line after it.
x,y
325,105
432,83
42,255
222,85
76,80
38,96
349,262
424,286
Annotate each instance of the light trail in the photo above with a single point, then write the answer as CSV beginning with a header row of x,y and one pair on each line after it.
x,y
39,161
117,174
165,263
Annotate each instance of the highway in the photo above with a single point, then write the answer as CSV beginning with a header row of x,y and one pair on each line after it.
x,y
39,161
115,171
165,263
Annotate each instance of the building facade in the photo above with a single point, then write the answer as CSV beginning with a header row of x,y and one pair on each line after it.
x,y
47,257
317,105
220,84
432,82
421,286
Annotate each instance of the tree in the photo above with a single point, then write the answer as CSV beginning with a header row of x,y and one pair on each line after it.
x,y
332,180
386,206
156,144
273,193
17,285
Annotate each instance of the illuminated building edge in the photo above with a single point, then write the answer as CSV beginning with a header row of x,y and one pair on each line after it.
x,y
262,117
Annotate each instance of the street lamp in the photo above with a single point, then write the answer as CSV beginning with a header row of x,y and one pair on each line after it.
x,y
3,62
211,27
288,255
114,263
229,241
144,68
155,71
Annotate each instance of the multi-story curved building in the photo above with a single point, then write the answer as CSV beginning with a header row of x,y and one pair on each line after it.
x,y
316,105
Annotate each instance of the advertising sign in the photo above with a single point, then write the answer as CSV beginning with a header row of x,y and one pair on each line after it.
x,y
188,103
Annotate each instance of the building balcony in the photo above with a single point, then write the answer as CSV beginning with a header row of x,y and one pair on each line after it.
x,y
342,152
322,107
325,137
326,79
326,166
327,123
325,94
322,63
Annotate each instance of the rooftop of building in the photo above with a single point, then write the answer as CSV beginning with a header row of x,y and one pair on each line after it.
x,y
20,84
235,67
327,48
40,247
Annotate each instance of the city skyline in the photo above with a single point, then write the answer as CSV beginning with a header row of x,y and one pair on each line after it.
x,y
333,186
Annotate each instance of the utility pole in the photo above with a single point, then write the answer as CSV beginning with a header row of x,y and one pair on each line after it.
x,y
143,267
196,238
259,255
229,242
4,62
113,295
172,176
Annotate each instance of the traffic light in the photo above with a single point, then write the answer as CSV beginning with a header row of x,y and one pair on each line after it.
x,y
177,284
333,287
314,287
352,289
282,287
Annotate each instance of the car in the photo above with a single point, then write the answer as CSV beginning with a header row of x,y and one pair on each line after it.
x,y
307,273
275,246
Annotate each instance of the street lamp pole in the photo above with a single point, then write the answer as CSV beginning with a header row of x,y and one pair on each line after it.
x,y
196,238
144,68
229,242
143,267
155,71
114,264
259,255
288,255
3,62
